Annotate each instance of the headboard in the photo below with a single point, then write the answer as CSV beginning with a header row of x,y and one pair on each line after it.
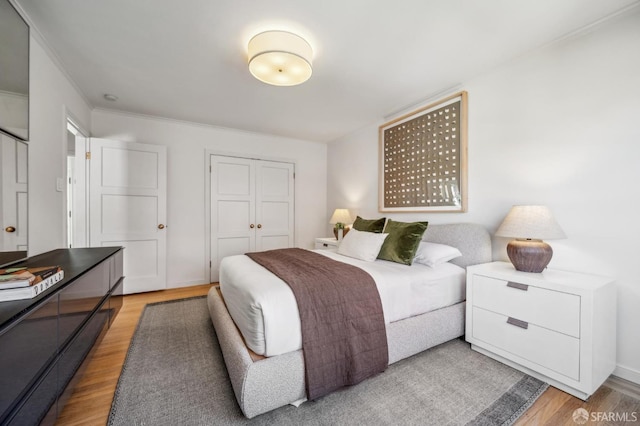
x,y
471,239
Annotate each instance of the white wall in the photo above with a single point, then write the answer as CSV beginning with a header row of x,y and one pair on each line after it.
x,y
52,96
558,126
186,147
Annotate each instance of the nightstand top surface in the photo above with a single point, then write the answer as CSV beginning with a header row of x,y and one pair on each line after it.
x,y
505,270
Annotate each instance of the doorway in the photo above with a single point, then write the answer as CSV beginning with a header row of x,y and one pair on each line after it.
x,y
77,187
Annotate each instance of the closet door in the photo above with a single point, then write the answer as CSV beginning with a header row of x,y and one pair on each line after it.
x,y
274,205
233,193
251,207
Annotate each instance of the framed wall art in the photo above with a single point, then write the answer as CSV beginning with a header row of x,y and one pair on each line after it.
x,y
423,159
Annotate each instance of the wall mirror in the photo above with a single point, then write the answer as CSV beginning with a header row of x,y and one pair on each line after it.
x,y
13,194
14,72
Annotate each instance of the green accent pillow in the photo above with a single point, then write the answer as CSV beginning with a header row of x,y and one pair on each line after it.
x,y
403,241
369,225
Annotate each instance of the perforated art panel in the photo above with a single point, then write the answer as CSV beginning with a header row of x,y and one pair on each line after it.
x,y
422,165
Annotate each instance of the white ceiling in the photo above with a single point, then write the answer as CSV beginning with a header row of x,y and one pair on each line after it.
x,y
187,60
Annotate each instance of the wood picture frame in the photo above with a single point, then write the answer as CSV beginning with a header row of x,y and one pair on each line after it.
x,y
423,159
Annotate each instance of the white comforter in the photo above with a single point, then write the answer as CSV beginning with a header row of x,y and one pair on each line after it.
x,y
266,313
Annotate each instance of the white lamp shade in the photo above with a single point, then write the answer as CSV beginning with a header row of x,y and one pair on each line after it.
x,y
280,58
534,222
341,216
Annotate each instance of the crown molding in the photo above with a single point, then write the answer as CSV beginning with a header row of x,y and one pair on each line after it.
x,y
589,28
582,31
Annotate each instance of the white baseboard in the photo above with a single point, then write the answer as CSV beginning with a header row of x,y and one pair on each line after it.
x,y
627,373
185,284
623,386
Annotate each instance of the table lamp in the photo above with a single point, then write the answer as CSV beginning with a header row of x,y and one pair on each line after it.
x,y
529,225
340,218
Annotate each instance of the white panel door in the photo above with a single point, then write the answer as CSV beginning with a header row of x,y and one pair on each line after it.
x,y
232,208
127,207
14,195
274,205
251,207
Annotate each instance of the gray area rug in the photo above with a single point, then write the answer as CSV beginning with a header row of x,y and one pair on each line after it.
x,y
174,374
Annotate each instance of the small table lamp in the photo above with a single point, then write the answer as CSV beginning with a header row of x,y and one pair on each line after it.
x,y
529,225
340,218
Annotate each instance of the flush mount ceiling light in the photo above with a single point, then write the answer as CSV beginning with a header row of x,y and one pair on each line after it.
x,y
280,58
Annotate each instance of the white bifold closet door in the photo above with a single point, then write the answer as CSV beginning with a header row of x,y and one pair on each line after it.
x,y
252,205
128,207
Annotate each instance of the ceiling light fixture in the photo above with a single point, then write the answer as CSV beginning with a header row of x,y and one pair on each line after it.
x,y
280,58
110,97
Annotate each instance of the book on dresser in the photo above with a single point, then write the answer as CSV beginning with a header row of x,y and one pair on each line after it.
x,y
28,282
15,278
24,277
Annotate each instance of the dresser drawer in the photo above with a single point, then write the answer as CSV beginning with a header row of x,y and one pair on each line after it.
x,y
550,309
549,349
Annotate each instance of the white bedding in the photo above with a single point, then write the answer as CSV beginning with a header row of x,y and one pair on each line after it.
x,y
266,313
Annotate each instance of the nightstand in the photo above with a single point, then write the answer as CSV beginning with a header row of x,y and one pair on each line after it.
x,y
557,326
326,243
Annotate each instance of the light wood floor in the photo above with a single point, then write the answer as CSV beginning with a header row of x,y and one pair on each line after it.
x,y
91,400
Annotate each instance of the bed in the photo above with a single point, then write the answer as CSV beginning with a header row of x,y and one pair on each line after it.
x,y
262,383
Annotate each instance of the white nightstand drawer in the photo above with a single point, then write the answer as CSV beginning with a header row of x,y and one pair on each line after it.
x,y
554,351
326,243
550,309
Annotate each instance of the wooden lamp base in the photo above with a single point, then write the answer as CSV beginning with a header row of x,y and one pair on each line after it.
x,y
529,255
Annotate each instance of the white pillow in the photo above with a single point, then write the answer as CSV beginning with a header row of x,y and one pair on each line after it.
x,y
361,245
432,254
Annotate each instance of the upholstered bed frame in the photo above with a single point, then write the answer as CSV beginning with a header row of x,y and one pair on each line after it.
x,y
263,384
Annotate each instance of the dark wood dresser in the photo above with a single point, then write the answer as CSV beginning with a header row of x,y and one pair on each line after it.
x,y
46,341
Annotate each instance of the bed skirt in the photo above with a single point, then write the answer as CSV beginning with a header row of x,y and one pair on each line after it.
x,y
264,384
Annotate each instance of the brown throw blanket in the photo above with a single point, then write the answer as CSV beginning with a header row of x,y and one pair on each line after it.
x,y
344,339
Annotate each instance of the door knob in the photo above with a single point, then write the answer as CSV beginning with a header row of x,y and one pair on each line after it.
x,y
259,226
10,229
161,226
252,226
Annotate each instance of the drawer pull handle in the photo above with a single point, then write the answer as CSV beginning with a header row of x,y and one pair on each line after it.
x,y
325,245
518,323
518,286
